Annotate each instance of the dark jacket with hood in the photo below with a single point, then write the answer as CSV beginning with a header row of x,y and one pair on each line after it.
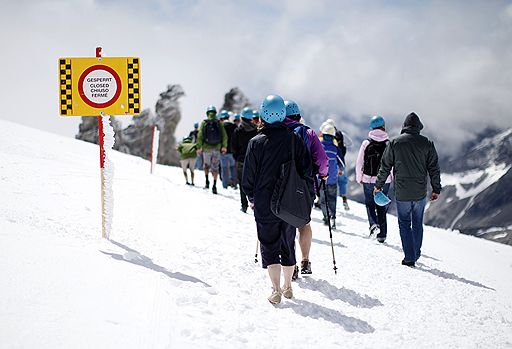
x,y
241,137
265,154
412,156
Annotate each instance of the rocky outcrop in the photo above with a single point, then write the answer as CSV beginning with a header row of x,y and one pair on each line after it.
x,y
168,115
136,138
235,100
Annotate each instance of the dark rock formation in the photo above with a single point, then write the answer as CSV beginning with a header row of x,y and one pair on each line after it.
x,y
235,100
168,115
136,138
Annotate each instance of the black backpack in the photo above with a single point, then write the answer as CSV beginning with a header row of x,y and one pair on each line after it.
x,y
372,156
212,133
291,200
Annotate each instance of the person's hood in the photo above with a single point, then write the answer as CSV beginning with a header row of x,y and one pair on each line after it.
x,y
290,122
378,135
247,125
412,124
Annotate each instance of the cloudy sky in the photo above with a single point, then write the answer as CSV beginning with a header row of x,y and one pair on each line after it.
x,y
450,61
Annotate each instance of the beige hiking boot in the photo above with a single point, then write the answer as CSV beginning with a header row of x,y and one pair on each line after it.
x,y
288,292
275,297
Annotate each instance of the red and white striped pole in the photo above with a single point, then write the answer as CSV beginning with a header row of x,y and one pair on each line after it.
x,y
155,140
101,139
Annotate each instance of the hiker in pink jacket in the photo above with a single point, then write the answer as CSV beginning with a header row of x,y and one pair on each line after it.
x,y
367,168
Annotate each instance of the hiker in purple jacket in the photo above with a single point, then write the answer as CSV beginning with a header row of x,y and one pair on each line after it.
x,y
320,167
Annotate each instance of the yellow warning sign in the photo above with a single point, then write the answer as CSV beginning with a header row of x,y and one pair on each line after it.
x,y
102,85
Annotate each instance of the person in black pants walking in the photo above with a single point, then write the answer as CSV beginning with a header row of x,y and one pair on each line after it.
x,y
265,154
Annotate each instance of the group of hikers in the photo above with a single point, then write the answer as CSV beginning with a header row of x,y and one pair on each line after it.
x,y
251,152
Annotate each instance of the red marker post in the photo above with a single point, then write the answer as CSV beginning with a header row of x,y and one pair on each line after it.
x,y
101,140
155,140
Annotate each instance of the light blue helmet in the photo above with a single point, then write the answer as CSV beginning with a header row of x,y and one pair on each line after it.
x,y
381,199
211,108
223,114
196,125
247,113
292,108
272,109
255,114
237,116
376,122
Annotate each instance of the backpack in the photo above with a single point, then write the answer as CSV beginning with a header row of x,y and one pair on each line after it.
x,y
212,133
290,200
372,156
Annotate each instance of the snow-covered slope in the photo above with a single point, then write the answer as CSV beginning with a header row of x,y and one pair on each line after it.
x,y
179,271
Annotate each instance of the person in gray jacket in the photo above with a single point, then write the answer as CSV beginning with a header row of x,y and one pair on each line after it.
x,y
411,156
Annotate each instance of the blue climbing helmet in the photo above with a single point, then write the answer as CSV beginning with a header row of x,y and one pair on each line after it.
x,y
376,122
381,199
292,108
272,109
237,116
211,108
255,114
196,125
223,114
247,113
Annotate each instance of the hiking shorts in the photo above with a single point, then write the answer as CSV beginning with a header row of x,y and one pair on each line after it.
x,y
188,163
277,243
211,160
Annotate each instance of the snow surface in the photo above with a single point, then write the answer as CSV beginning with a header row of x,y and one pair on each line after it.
x,y
179,270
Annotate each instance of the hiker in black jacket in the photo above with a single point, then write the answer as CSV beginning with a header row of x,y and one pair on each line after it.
x,y
239,142
411,156
265,154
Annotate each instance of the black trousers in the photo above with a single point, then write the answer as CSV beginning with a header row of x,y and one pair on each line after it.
x,y
277,243
243,197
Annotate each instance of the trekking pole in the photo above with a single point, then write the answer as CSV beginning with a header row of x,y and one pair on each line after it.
x,y
256,254
329,223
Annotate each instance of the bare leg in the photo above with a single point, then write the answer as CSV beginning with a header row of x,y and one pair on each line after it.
x,y
274,271
192,175
305,237
215,175
185,174
288,272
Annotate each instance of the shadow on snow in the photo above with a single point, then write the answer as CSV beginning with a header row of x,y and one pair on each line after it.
x,y
449,276
343,294
136,258
315,311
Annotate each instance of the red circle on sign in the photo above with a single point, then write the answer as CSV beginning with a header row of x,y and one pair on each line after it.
x,y
81,87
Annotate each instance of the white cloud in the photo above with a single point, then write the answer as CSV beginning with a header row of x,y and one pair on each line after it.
x,y
448,61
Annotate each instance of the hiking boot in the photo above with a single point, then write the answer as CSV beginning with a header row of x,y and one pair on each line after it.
x,y
409,264
374,231
288,292
207,185
345,206
275,297
381,240
214,189
333,222
187,183
325,221
305,267
295,275
244,209
192,184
